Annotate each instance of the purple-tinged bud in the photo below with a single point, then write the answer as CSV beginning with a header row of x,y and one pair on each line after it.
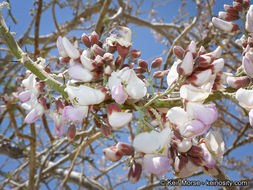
x,y
156,164
179,163
25,95
135,172
224,25
94,38
119,94
248,66
71,133
112,154
227,16
86,40
43,102
70,49
179,52
125,149
157,62
97,50
108,57
75,114
34,114
122,50
135,53
158,74
237,6
238,82
142,63
186,67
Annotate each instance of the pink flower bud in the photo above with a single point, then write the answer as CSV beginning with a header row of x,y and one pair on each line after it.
x,y
71,133
135,53
199,78
86,40
60,47
108,71
94,38
108,57
138,70
134,173
59,128
204,60
122,50
238,82
64,59
179,52
186,67
179,162
106,130
112,154
192,47
157,62
198,161
246,3
112,49
125,149
119,94
143,63
97,50
43,102
237,6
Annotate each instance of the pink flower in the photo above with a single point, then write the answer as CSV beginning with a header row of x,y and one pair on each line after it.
x,y
34,114
66,49
119,94
78,72
193,129
59,128
156,164
75,114
25,95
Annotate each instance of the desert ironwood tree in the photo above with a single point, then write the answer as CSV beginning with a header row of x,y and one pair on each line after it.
x,y
82,109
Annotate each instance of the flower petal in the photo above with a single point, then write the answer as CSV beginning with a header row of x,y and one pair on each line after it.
x,y
177,116
157,165
75,114
118,119
245,98
78,72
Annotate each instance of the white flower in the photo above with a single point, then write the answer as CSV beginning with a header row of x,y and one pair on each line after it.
x,y
195,94
173,74
178,116
152,142
84,95
249,19
121,35
245,98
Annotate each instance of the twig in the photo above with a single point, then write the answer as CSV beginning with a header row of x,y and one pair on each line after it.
x,y
32,160
54,18
44,121
36,29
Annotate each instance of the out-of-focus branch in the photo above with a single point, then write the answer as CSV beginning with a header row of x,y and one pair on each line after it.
x,y
32,158
36,29
100,21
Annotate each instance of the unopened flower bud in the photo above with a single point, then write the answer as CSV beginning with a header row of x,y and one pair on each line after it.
x,y
125,149
99,61
139,70
237,6
94,38
134,173
112,49
122,50
64,59
179,52
112,154
106,130
224,25
59,105
97,50
135,53
158,74
71,133
118,60
199,78
195,151
142,63
86,40
192,47
238,82
204,60
119,94
201,51
157,62
246,3
230,9
186,67
108,71
108,57
228,16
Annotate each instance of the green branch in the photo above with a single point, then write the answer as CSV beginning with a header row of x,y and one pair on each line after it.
x,y
25,59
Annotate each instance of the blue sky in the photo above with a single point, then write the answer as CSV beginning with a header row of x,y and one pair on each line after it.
x,y
142,40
